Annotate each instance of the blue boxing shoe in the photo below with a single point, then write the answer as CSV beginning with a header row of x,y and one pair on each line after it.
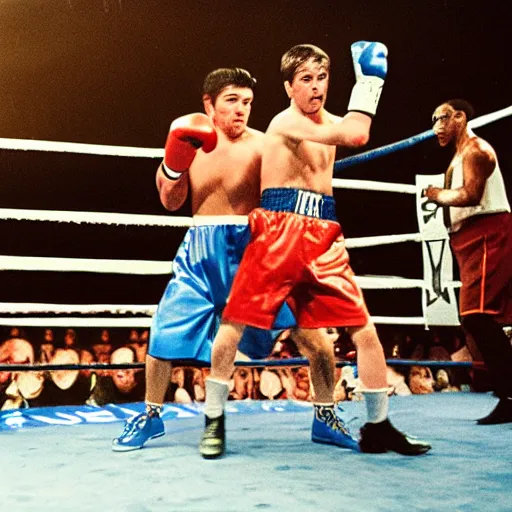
x,y
328,428
137,431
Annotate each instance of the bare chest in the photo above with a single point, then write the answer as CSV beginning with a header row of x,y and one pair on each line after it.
x,y
315,157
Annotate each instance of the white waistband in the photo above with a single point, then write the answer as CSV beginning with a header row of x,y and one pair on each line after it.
x,y
214,220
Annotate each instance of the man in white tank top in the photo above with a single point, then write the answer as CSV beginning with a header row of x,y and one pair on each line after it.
x,y
480,225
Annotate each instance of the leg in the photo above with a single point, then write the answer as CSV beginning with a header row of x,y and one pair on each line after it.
x,y
224,349
318,348
148,425
378,435
496,351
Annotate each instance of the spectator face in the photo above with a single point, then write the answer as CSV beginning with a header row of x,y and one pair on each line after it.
x,y
302,379
86,358
242,377
421,381
15,351
64,379
47,347
14,333
105,336
124,380
70,338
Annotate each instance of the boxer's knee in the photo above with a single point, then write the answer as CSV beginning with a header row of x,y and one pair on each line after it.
x,y
313,343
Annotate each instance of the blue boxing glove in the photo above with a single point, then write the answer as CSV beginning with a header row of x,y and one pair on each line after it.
x,y
370,66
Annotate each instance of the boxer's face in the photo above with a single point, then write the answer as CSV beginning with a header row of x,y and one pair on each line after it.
x,y
231,110
447,124
309,86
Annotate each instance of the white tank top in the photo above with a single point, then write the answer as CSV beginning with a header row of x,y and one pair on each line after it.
x,y
494,199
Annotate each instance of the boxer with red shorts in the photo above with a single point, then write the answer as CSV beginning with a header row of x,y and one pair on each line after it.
x,y
297,253
298,258
480,226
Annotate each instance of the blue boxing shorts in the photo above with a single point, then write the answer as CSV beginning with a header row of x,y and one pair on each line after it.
x,y
188,315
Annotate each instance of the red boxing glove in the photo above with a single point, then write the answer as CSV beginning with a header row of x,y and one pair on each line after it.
x,y
186,135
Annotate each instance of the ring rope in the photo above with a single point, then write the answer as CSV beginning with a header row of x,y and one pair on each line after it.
x,y
47,264
255,363
98,149
130,219
150,267
80,148
145,322
381,186
118,219
30,308
370,241
134,323
342,164
147,267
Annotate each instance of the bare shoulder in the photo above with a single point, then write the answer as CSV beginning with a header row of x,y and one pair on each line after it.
x,y
254,136
280,121
480,149
254,139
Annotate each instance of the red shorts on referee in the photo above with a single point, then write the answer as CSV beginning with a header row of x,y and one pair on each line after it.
x,y
483,249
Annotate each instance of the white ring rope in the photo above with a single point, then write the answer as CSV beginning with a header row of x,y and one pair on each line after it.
x,y
76,147
381,186
369,241
129,219
42,264
135,323
118,219
98,149
30,308
145,322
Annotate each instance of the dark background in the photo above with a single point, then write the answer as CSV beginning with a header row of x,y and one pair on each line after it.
x,y
117,72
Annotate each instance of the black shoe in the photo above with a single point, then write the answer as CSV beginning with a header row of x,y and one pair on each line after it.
x,y
382,437
213,442
502,413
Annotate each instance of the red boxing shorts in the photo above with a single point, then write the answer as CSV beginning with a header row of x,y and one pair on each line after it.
x,y
299,258
483,249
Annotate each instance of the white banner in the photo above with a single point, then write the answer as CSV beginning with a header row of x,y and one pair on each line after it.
x,y
438,296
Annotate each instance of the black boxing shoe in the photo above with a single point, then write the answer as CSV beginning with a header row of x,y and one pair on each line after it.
x,y
213,442
383,437
502,413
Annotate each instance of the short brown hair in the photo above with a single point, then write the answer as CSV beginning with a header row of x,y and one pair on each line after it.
x,y
220,78
299,54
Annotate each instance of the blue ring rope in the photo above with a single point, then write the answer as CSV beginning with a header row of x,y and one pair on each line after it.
x,y
256,363
342,164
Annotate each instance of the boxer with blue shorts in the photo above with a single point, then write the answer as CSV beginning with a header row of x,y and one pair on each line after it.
x,y
216,160
190,309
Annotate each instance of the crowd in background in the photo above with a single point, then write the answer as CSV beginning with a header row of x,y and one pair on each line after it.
x,y
98,386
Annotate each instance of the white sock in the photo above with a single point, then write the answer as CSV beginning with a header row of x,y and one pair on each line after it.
x,y
217,392
376,404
